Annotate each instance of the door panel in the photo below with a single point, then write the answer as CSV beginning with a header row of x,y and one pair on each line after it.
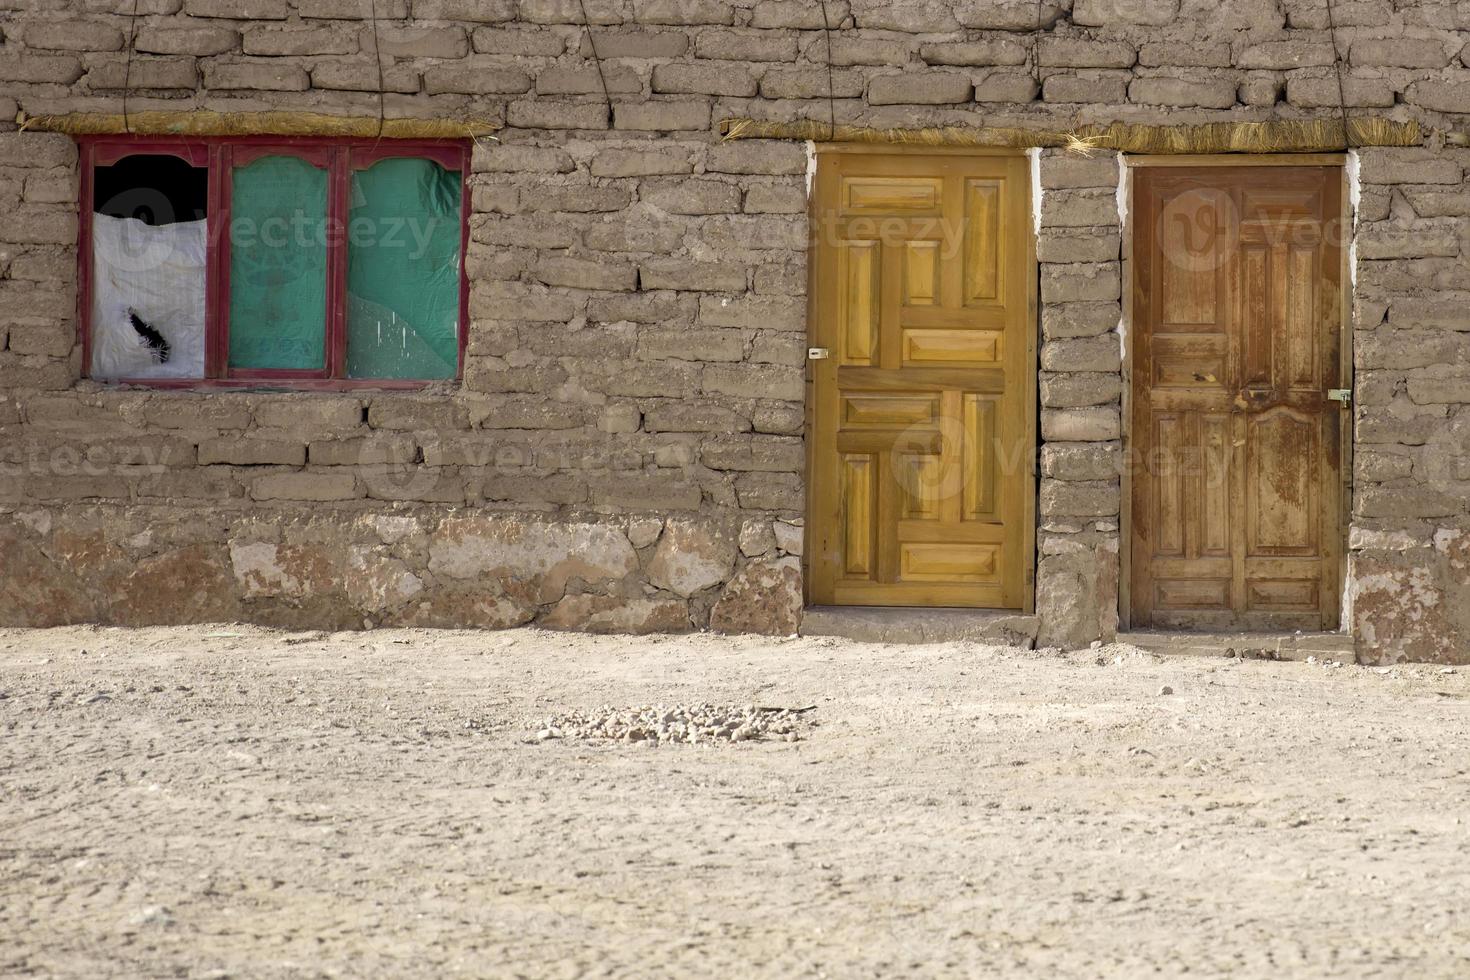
x,y
1236,519
923,418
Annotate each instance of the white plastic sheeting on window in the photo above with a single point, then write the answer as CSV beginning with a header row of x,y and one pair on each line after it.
x,y
156,275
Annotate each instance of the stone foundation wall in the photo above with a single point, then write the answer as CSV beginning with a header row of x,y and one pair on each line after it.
x,y
626,448
1409,571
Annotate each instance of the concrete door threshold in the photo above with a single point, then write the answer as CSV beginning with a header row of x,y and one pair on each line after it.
x,y
909,624
1251,646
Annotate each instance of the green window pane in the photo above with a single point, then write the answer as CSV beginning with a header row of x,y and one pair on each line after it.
x,y
278,265
403,271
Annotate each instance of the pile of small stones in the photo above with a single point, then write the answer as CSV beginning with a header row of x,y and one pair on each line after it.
x,y
688,723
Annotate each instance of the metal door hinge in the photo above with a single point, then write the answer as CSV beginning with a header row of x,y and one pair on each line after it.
x,y
1344,395
817,353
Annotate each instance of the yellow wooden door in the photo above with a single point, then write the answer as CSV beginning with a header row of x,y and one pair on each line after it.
x,y
922,381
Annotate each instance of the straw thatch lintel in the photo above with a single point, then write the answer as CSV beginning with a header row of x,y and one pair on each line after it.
x,y
208,123
1276,136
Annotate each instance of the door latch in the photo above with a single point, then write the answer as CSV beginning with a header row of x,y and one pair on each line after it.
x,y
817,353
1343,395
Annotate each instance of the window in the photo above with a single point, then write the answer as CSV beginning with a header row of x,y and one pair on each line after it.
x,y
289,262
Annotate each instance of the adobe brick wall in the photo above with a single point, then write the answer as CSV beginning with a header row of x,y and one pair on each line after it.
x,y
626,450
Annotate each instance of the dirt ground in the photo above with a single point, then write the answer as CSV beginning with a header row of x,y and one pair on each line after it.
x,y
229,801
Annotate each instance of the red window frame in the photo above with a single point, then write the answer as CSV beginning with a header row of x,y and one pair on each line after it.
x,y
340,156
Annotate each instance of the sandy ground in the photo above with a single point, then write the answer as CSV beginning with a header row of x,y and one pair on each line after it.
x,y
227,801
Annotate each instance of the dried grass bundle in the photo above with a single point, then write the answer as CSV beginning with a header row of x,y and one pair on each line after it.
x,y
1276,136
208,123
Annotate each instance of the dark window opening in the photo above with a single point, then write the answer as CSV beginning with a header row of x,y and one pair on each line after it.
x,y
157,190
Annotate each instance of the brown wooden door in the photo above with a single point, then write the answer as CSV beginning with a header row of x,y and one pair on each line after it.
x,y
1236,449
921,476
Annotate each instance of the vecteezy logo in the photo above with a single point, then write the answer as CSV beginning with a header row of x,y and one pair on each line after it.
x,y
1197,230
925,461
139,245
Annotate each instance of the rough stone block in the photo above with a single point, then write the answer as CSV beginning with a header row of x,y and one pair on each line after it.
x,y
1407,165
691,196
1025,16
586,273
1080,282
548,114
1066,170
245,9
908,19
1081,425
309,487
1184,54
1064,498
1406,52
30,149
1081,461
638,44
685,416
1117,13
682,115
848,51
766,312
1082,245
1320,93
764,597
1260,89
776,199
811,83
754,381
1004,86
1101,353
499,158
238,451
744,46
1218,93
996,51
798,14
519,43
618,162
1085,88
1439,96
144,73
359,75
757,157
1074,53
1072,390
201,40
1284,55
37,69
931,88
683,79
1079,208
423,42
683,12
265,76
598,12
692,556
362,10
295,42
585,80
72,35
472,77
